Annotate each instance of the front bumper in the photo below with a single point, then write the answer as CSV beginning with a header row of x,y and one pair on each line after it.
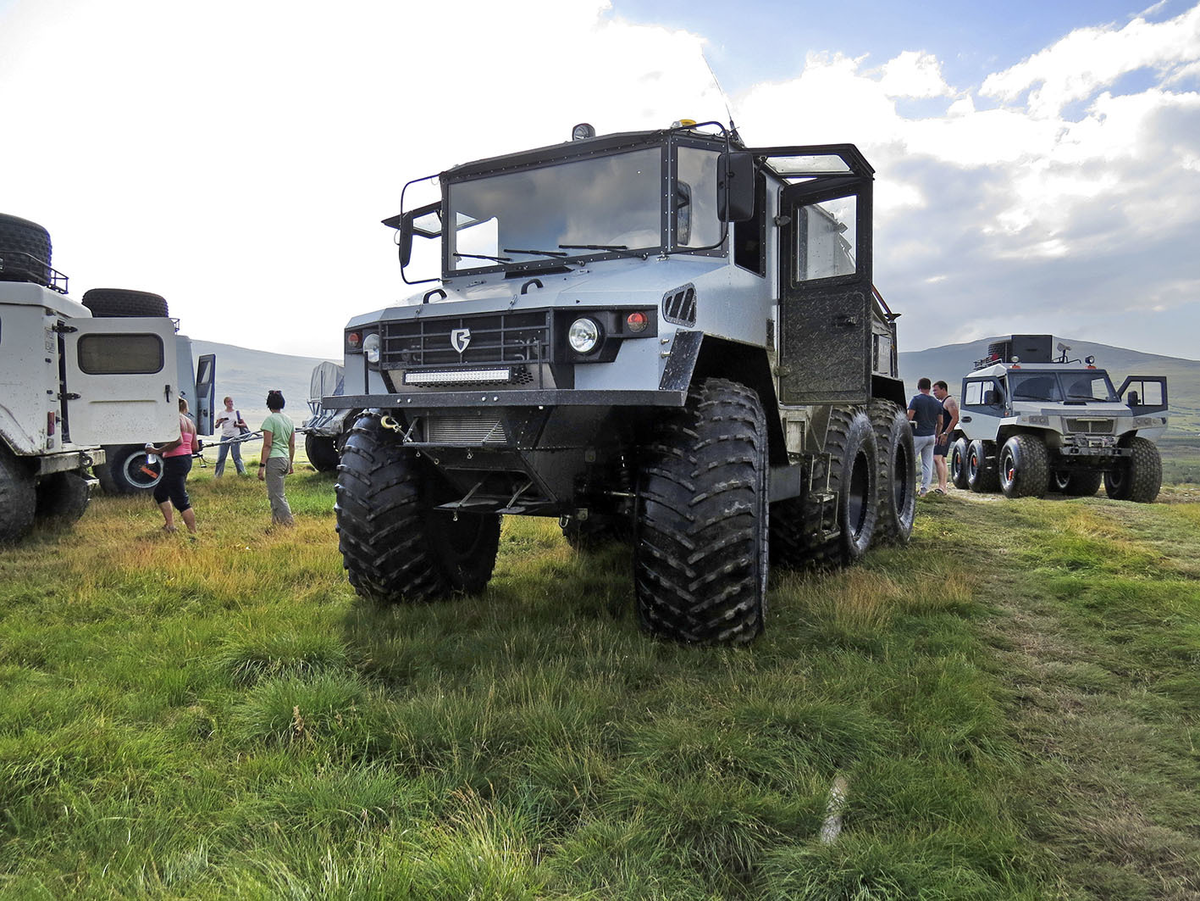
x,y
565,397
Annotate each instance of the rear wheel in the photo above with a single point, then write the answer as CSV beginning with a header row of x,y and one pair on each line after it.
x,y
1076,484
897,475
322,452
701,521
1024,467
1139,478
957,463
129,470
18,499
62,498
981,473
395,544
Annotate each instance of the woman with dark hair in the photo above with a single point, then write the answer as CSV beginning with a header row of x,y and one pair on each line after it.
x,y
278,452
177,463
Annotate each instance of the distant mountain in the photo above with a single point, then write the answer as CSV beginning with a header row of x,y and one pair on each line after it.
x,y
952,361
247,375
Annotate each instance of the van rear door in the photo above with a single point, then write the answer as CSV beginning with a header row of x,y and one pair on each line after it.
x,y
119,380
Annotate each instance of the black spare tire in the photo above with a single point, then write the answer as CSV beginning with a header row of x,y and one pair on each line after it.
x,y
24,251
114,302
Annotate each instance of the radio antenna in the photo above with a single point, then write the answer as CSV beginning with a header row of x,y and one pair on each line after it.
x,y
724,97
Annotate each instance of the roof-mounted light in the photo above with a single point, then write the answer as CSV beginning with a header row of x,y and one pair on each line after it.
x,y
582,132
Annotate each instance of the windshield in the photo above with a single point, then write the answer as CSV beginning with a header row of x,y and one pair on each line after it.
x,y
588,206
1060,387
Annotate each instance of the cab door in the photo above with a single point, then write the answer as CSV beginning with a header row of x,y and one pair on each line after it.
x,y
1144,394
206,388
119,380
825,340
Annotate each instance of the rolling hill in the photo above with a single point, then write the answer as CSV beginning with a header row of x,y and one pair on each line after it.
x,y
247,375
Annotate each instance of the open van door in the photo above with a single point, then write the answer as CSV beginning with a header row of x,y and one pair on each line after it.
x,y
119,380
1144,394
206,387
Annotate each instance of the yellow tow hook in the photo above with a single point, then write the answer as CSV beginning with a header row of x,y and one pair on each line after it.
x,y
387,422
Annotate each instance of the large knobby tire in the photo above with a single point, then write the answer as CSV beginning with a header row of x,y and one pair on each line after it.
x,y
1139,478
128,470
897,474
810,532
18,498
957,463
981,473
1024,467
322,452
701,522
1076,483
24,251
62,498
395,546
116,302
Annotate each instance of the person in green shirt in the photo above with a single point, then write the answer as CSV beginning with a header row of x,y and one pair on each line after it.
x,y
278,452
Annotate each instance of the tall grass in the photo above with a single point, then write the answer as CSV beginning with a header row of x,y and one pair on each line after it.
x,y
224,718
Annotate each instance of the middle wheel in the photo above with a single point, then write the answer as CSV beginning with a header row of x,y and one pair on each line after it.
x,y
701,520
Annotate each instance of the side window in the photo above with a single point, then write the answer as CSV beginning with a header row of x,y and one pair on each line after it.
x,y
120,354
696,222
749,237
826,235
973,396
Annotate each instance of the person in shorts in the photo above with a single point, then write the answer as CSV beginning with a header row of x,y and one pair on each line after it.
x,y
171,489
945,429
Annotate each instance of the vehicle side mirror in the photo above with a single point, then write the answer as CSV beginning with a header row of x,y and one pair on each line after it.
x,y
1132,398
991,398
409,224
735,186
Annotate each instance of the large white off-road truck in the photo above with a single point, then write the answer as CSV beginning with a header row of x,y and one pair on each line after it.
x,y
70,383
1033,421
664,337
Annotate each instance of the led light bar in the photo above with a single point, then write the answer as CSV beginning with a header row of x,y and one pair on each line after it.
x,y
457,376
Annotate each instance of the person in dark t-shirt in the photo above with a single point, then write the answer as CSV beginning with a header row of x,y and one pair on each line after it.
x,y
923,412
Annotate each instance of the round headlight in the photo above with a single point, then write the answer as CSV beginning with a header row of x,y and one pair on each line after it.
x,y
371,345
583,336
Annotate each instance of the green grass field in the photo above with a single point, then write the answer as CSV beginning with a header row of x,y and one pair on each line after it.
x,y
1012,702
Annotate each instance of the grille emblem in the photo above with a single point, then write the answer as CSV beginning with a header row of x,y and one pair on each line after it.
x,y
460,338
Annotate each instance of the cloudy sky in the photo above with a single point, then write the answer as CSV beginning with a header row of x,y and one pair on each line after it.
x,y
1038,164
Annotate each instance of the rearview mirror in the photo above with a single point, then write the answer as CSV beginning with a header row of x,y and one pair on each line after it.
x,y
735,186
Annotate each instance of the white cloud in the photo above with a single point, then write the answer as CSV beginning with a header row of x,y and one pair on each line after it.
x,y
914,74
1088,59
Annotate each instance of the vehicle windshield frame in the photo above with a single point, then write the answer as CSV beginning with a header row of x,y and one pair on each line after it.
x,y
666,143
1062,382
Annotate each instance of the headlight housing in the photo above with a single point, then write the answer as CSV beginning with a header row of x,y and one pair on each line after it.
x,y
584,335
371,346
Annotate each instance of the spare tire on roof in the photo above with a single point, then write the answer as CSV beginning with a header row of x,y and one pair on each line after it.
x,y
24,251
120,302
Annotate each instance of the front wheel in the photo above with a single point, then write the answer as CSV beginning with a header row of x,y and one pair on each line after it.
x,y
701,520
1139,478
18,498
395,544
1024,467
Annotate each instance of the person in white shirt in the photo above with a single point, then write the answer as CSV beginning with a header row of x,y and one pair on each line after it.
x,y
230,424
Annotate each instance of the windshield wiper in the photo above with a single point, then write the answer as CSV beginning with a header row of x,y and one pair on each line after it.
x,y
622,249
544,253
481,256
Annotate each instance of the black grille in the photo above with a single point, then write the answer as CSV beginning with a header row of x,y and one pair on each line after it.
x,y
510,339
679,306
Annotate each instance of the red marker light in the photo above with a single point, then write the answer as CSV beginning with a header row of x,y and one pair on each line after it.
x,y
637,322
354,339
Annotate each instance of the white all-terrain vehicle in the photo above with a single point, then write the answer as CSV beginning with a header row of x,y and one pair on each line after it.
x,y
1031,422
70,383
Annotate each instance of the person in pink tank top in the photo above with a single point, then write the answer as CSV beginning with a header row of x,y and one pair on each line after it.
x,y
177,463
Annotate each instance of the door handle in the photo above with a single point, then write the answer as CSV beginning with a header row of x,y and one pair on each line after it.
x,y
964,419
167,391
